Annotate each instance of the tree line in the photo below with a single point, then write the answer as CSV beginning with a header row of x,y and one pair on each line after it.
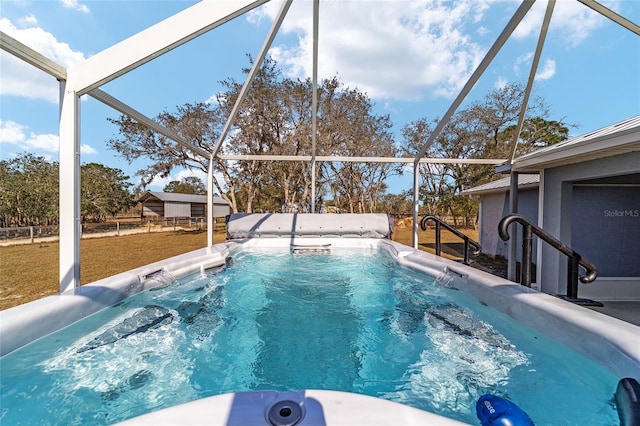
x,y
29,191
275,118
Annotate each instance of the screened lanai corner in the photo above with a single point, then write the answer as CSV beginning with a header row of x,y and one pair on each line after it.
x,y
87,77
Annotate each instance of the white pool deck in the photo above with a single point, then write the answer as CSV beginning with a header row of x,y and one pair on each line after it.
x,y
609,341
623,310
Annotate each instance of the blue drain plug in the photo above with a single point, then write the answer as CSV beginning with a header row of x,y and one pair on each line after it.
x,y
285,413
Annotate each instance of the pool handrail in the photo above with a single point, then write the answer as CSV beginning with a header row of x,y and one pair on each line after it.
x,y
468,242
574,259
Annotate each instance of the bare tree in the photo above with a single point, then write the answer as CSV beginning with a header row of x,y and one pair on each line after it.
x,y
274,118
485,129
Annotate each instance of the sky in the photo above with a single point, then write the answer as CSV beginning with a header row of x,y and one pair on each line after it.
x,y
411,57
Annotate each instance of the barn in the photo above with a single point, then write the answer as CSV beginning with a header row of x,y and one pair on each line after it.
x,y
175,205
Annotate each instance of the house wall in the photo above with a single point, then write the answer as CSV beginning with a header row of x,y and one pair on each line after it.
x,y
606,227
557,219
495,206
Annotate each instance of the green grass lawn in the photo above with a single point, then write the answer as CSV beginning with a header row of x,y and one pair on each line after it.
x,y
29,272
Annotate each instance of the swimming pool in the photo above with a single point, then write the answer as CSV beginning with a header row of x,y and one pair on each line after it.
x,y
383,340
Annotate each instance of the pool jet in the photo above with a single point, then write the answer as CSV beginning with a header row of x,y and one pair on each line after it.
x,y
152,316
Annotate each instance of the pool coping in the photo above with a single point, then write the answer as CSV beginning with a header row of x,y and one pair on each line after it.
x,y
31,321
320,407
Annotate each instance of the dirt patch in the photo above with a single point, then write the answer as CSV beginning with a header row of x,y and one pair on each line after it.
x,y
496,265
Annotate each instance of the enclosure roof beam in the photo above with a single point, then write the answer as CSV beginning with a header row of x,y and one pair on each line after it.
x,y
27,54
252,73
491,54
618,19
155,41
143,119
532,74
346,159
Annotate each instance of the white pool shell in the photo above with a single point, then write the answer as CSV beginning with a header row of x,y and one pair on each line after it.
x,y
612,343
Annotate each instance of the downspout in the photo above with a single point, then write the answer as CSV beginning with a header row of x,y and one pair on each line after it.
x,y
210,222
416,197
513,208
314,104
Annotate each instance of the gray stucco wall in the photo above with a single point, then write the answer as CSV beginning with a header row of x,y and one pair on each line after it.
x,y
558,203
495,206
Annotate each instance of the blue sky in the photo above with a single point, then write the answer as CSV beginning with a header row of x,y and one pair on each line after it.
x,y
410,56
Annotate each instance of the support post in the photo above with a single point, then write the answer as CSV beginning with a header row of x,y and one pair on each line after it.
x,y
527,255
572,276
438,239
416,189
511,244
70,231
466,252
210,203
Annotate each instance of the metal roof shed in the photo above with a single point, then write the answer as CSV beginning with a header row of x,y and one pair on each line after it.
x,y
171,204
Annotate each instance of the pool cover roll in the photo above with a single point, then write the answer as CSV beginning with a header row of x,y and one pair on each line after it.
x,y
271,225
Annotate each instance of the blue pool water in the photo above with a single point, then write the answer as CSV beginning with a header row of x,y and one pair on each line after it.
x,y
346,320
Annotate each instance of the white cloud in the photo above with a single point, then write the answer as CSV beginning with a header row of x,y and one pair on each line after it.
x,y
408,50
11,132
159,182
87,149
22,79
17,134
572,22
524,59
29,20
501,83
547,71
75,5
393,49
42,142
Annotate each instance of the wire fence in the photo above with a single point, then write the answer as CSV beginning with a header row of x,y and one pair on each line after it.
x,y
33,234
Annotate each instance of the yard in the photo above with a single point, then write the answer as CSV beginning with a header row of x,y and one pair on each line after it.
x,y
29,272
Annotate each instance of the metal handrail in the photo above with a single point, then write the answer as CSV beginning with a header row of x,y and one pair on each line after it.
x,y
574,258
468,242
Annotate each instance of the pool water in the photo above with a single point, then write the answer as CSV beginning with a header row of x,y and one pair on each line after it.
x,y
274,320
